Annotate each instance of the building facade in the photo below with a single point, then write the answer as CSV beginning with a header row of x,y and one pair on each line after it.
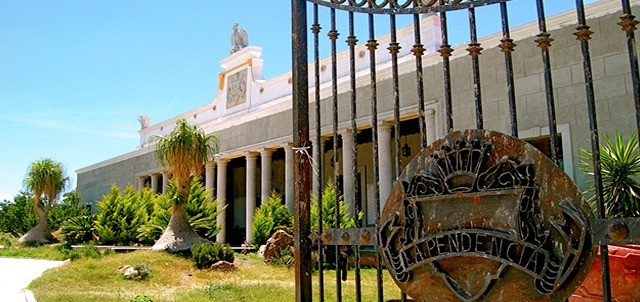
x,y
252,116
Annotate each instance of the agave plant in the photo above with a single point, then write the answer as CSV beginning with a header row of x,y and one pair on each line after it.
x,y
620,166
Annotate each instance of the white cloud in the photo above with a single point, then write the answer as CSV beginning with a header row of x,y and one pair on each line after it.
x,y
50,124
4,196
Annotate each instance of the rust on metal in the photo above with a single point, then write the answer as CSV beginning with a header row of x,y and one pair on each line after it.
x,y
480,215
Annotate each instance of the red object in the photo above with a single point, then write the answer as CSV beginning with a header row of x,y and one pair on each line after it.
x,y
624,263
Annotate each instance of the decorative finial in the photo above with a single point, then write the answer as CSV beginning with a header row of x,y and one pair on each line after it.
x,y
239,38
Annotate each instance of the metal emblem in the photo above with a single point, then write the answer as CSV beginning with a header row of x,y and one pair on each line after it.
x,y
482,216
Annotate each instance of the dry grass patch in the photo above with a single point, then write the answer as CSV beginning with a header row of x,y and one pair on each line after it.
x,y
174,278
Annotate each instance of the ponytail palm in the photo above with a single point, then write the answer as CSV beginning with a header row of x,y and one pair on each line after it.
x,y
183,153
46,179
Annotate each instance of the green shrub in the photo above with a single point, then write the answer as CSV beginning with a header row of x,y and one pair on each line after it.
x,y
79,229
142,298
201,212
206,254
284,257
620,166
7,239
68,208
17,217
121,214
90,251
329,210
144,271
269,217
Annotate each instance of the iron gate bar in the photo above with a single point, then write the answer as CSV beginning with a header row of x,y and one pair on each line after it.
x,y
474,50
583,35
507,47
394,49
616,231
319,158
372,45
544,43
333,36
628,25
300,110
351,42
445,52
605,231
387,9
418,52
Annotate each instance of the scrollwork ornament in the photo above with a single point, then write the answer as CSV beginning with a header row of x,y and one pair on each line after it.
x,y
402,6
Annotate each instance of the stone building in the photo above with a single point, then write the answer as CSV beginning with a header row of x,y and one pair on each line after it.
x,y
252,116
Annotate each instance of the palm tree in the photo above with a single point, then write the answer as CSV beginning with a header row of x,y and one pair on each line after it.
x,y
183,152
620,162
46,179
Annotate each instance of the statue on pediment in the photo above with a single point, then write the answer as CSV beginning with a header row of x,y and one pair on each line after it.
x,y
144,121
239,38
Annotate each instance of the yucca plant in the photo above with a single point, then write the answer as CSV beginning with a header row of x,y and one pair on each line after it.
x,y
620,166
80,229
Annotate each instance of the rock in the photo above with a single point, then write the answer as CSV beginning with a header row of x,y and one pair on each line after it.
x,y
261,250
278,241
122,269
2,247
131,273
224,266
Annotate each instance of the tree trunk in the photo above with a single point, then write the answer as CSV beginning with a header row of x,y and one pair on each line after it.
x,y
40,234
179,235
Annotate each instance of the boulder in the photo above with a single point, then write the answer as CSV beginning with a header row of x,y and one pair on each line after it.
x,y
261,251
131,273
278,241
122,269
224,266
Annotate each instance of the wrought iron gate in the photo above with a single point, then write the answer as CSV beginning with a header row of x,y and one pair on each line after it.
x,y
355,72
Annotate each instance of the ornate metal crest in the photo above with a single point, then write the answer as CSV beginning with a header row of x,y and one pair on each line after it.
x,y
481,216
237,89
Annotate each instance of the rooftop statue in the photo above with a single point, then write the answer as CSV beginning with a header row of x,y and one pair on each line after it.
x,y
144,121
239,38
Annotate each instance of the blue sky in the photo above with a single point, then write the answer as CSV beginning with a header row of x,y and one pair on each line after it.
x,y
75,75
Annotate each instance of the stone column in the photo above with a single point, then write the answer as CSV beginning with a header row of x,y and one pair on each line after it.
x,y
209,171
430,118
154,182
251,193
288,176
384,158
221,196
265,173
165,181
348,177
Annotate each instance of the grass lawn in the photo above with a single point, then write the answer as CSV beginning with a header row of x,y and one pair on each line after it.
x,y
13,250
174,278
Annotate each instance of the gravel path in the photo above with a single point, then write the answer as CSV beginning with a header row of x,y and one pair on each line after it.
x,y
16,274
